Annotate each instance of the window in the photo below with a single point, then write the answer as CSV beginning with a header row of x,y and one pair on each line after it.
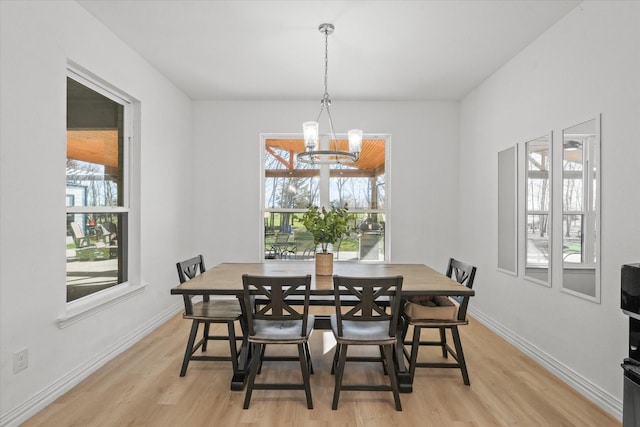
x,y
97,208
579,172
290,187
538,204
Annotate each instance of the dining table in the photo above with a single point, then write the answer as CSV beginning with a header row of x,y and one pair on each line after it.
x,y
418,279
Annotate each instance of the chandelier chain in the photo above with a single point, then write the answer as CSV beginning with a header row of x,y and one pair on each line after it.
x,y
326,102
326,65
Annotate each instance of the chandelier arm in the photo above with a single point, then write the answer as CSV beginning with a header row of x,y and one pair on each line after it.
x,y
333,132
320,113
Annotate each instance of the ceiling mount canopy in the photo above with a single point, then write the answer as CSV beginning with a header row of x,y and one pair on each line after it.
x,y
311,129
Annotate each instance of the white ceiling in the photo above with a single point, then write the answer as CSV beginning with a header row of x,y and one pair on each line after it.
x,y
380,50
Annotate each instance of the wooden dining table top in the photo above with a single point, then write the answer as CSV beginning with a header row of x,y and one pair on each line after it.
x,y
226,278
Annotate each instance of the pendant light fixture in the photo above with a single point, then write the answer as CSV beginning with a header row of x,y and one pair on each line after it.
x,y
311,129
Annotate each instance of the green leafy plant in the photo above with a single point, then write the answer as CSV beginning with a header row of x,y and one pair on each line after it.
x,y
326,226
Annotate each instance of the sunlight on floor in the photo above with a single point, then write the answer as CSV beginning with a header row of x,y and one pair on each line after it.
x,y
328,342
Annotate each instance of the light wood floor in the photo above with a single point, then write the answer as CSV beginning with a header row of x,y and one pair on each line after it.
x,y
142,387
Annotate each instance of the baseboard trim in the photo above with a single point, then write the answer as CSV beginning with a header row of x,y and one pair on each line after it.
x,y
591,391
39,401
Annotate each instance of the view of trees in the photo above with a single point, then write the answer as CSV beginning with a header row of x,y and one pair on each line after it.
x,y
290,187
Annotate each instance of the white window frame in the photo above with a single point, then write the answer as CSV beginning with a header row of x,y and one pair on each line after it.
x,y
324,189
90,304
592,192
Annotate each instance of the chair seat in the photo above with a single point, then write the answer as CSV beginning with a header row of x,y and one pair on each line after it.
x,y
437,308
365,332
280,331
216,310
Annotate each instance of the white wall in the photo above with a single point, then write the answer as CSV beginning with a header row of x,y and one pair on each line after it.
x,y
37,39
423,179
588,63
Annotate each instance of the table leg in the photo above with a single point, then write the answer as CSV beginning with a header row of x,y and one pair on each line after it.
x,y
240,375
404,377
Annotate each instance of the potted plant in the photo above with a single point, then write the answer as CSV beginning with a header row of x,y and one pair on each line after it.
x,y
326,227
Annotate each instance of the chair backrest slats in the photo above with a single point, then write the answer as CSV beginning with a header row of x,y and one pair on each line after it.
x,y
464,273
267,297
373,296
187,270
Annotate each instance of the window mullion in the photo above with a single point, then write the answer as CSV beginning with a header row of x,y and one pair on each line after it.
x,y
96,209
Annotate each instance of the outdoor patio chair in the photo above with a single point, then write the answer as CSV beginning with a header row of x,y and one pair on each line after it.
x,y
282,247
78,235
305,245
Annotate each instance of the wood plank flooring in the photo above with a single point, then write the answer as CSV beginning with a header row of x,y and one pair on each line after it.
x,y
142,387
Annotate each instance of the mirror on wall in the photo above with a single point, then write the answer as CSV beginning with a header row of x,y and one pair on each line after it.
x,y
508,211
537,247
581,209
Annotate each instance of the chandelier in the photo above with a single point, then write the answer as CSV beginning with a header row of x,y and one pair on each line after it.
x,y
310,129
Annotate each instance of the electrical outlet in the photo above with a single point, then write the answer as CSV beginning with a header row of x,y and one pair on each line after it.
x,y
20,360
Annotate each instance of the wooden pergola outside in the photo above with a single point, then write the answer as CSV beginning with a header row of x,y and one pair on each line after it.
x,y
369,165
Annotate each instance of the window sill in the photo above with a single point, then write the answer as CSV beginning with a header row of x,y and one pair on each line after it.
x,y
578,266
88,306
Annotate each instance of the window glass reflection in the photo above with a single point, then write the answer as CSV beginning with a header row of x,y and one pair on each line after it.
x,y
94,252
538,202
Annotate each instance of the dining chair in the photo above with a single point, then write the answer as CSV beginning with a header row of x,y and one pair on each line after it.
x,y
442,313
271,320
206,312
366,322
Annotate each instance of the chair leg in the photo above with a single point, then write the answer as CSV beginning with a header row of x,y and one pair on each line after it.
x,y
263,347
205,336
307,353
342,349
403,335
384,360
388,352
255,362
232,345
460,354
404,327
336,356
189,350
443,342
302,354
415,345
